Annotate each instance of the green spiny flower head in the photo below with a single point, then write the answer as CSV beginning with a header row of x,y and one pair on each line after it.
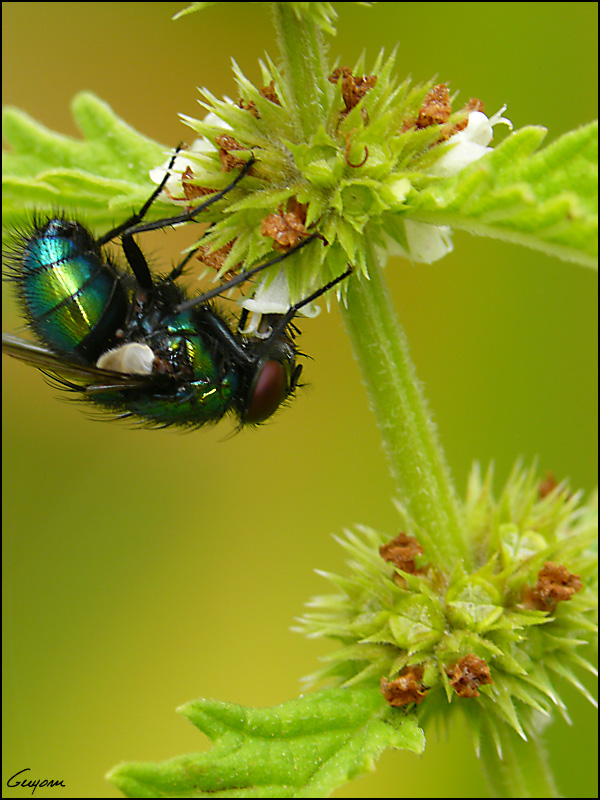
x,y
483,637
345,169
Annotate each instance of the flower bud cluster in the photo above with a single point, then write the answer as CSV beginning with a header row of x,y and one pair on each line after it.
x,y
492,633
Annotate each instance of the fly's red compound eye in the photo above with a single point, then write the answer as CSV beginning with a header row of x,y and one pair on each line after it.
x,y
269,390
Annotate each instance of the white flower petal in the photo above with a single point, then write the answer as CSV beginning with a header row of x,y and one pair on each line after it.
x,y
390,247
470,144
458,157
428,243
497,118
182,162
174,191
272,299
478,130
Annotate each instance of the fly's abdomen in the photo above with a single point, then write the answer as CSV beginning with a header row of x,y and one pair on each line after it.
x,y
73,298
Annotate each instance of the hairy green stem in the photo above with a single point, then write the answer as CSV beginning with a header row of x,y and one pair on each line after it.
x,y
380,347
409,436
306,70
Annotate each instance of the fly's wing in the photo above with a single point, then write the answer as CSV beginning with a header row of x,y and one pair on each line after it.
x,y
92,378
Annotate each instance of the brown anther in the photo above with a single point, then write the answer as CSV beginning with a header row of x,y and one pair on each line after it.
x,y
269,93
554,585
401,551
406,688
473,105
286,229
436,108
353,88
547,485
190,189
228,145
468,674
216,258
249,105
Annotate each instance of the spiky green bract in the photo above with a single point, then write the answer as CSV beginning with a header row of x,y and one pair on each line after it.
x,y
547,200
102,177
362,173
387,619
303,748
345,203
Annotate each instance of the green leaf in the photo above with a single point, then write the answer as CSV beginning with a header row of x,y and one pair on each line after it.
x,y
546,200
303,748
104,175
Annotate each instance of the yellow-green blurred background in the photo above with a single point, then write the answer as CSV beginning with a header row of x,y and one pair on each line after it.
x,y
143,569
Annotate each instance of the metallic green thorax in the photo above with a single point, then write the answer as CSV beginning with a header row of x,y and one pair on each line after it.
x,y
212,387
81,305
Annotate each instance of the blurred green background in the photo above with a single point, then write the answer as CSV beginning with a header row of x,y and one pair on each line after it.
x,y
143,569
